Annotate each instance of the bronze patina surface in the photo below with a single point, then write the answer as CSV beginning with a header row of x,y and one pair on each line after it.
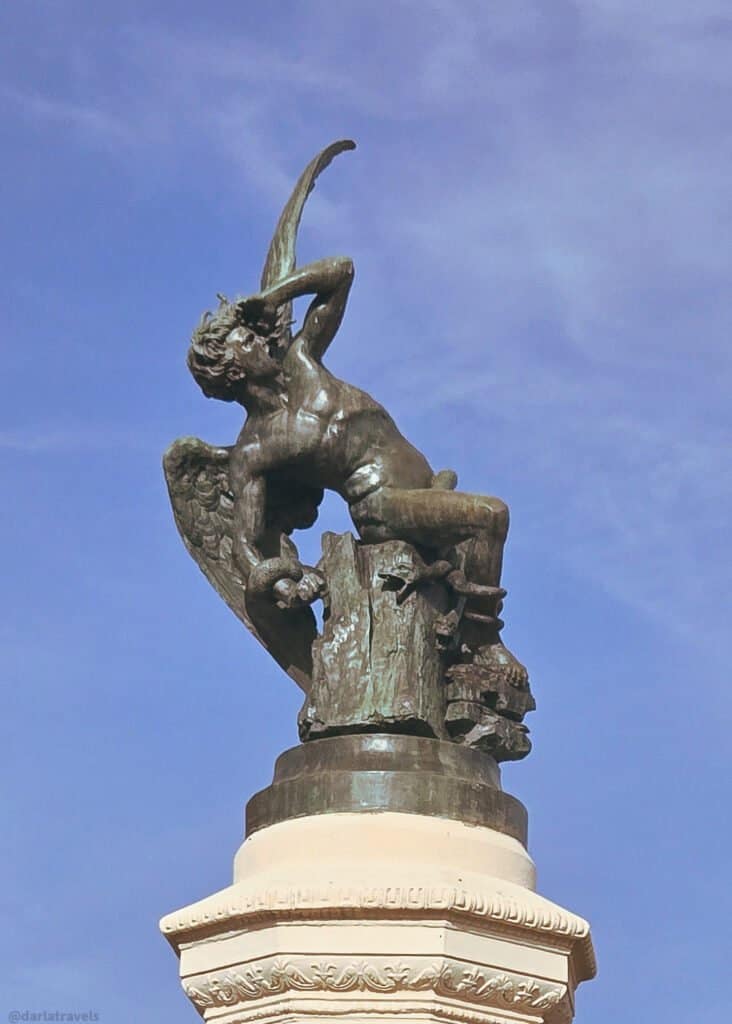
x,y
387,772
411,638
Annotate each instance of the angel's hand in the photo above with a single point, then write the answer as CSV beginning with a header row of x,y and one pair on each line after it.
x,y
273,573
284,592
291,594
285,581
257,313
311,586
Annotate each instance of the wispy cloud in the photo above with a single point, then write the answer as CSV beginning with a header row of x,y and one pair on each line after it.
x,y
60,440
93,124
558,263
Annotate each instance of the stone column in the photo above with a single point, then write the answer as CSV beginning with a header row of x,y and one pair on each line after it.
x,y
382,877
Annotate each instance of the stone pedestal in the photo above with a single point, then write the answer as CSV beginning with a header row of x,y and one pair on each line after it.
x,y
382,915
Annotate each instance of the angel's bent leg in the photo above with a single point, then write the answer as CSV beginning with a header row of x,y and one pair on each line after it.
x,y
432,518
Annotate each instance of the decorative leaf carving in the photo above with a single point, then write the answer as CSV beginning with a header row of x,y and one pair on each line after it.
x,y
471,983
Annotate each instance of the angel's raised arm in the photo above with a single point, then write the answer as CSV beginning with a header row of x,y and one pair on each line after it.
x,y
330,281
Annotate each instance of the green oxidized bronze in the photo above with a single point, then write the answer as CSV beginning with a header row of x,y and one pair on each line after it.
x,y
411,636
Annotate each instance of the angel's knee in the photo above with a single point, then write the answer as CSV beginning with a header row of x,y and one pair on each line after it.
x,y
494,512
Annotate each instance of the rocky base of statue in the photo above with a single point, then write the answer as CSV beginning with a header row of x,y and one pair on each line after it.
x,y
410,646
381,917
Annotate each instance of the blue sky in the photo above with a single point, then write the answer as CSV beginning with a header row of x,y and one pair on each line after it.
x,y
539,215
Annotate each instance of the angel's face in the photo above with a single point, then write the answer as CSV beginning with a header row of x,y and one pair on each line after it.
x,y
252,353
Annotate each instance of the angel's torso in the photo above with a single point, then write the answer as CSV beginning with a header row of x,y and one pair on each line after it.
x,y
329,434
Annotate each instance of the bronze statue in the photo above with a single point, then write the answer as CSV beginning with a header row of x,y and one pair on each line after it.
x,y
307,431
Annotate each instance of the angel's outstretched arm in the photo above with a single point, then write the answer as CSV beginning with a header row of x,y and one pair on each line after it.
x,y
330,281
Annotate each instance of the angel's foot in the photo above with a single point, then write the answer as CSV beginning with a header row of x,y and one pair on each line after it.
x,y
493,677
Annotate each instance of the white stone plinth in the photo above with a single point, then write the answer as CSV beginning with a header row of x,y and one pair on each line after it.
x,y
392,916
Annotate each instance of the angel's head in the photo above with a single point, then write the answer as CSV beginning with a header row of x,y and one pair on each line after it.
x,y
244,340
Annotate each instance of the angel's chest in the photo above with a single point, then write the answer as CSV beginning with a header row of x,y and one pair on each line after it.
x,y
289,437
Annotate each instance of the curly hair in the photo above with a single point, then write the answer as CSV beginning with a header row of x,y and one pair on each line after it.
x,y
211,360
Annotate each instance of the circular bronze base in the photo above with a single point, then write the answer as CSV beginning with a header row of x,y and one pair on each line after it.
x,y
387,772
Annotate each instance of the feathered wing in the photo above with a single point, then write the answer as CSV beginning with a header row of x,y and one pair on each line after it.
x,y
197,475
281,255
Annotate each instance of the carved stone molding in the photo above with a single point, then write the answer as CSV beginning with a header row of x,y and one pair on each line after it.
x,y
408,1010
454,979
364,917
531,912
